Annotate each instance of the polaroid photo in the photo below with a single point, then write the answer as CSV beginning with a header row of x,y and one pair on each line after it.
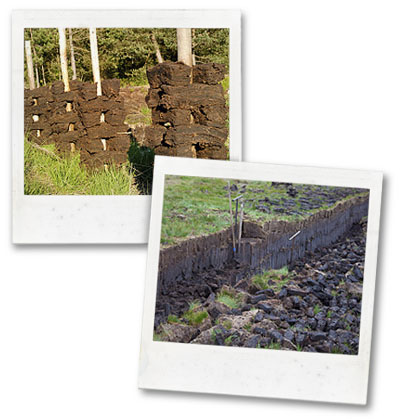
x,y
260,280
96,95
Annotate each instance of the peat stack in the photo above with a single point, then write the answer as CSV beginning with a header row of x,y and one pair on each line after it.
x,y
79,120
189,112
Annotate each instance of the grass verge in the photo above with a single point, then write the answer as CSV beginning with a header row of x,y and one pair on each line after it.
x,y
47,174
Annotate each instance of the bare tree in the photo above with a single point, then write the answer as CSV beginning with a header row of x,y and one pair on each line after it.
x,y
157,48
184,41
71,47
63,58
29,64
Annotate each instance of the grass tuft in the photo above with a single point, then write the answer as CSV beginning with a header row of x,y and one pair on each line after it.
x,y
230,298
280,277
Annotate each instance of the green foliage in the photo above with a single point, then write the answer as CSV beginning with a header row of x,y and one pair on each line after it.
x,y
124,53
47,174
317,309
142,162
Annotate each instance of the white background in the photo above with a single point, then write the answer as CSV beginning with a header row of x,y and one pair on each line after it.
x,y
321,86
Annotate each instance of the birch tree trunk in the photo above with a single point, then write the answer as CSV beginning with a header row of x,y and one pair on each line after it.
x,y
36,59
71,47
63,58
157,48
184,41
95,59
29,64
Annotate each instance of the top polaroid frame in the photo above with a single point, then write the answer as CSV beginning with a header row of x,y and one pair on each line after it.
x,y
60,219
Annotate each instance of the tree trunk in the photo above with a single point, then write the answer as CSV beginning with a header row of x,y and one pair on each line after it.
x,y
43,75
71,46
95,59
157,48
63,58
29,64
36,59
193,47
37,76
184,41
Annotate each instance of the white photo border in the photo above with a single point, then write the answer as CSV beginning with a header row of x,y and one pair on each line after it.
x,y
251,372
101,219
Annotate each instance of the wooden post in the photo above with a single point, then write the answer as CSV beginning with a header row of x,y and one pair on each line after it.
x,y
95,59
29,63
71,47
184,42
63,58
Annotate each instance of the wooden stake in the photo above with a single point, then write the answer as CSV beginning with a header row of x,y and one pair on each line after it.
x,y
231,213
184,42
63,58
95,59
29,64
71,48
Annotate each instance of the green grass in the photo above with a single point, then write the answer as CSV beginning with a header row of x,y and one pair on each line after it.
x,y
196,206
173,319
247,327
194,316
280,277
273,345
228,340
317,309
229,298
47,174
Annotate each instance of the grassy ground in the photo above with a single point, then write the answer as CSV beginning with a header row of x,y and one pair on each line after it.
x,y
47,174
195,206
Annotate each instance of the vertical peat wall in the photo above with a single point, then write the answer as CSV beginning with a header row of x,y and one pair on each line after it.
x,y
263,247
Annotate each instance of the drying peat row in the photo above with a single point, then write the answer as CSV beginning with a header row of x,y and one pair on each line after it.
x,y
189,111
189,118
294,283
79,120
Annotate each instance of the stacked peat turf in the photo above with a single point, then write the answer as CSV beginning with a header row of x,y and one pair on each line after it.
x,y
188,111
80,120
37,114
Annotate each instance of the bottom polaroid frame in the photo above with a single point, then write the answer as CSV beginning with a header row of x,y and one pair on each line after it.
x,y
251,372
